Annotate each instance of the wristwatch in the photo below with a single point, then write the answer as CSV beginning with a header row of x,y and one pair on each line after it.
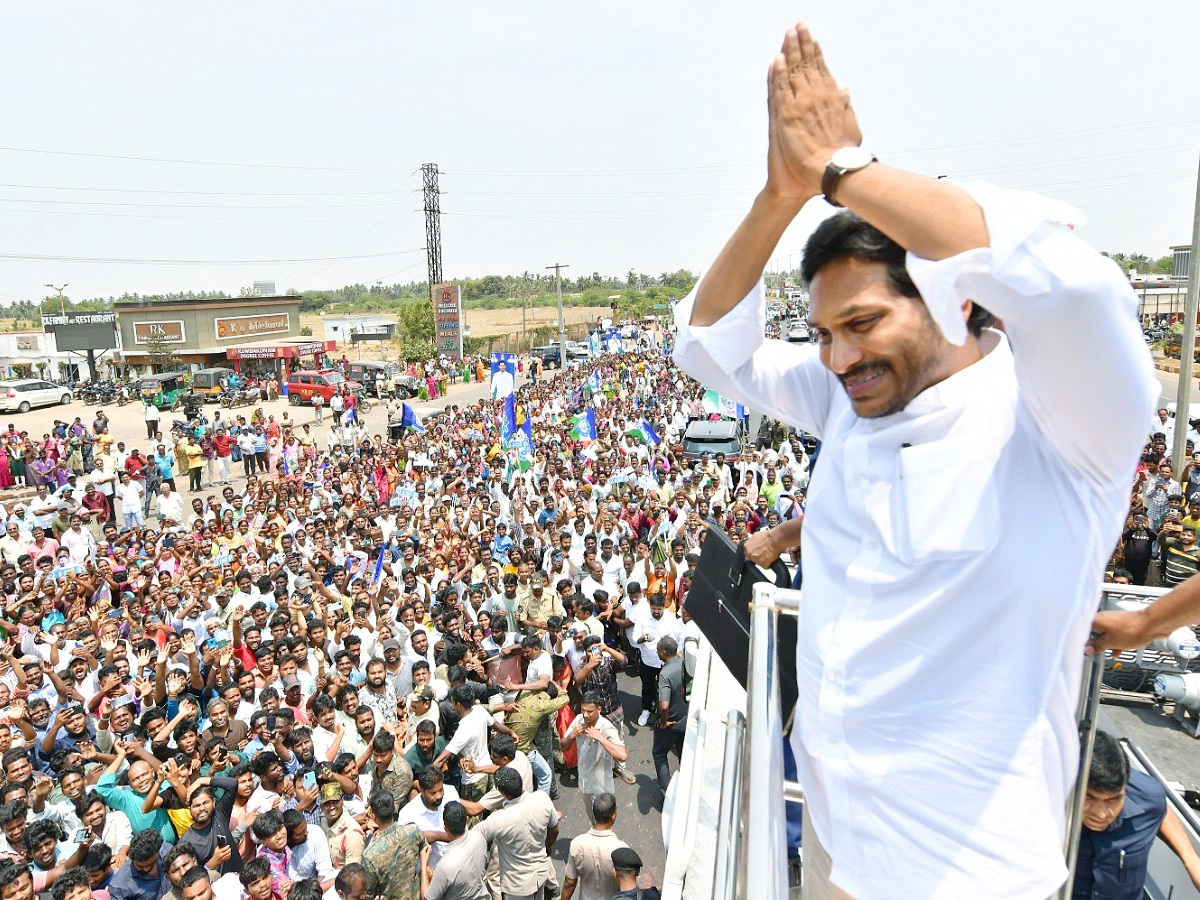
x,y
843,162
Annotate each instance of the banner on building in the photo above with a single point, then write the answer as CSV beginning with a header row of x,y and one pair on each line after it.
x,y
447,321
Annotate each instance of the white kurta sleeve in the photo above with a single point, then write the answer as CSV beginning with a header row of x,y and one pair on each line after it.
x,y
733,357
1084,372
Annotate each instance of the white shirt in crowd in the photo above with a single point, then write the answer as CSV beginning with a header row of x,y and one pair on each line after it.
x,y
925,530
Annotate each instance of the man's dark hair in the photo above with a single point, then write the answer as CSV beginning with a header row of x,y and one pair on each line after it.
x,y
1110,767
38,832
504,745
454,817
267,824
349,875
426,726
255,870
461,695
604,807
383,742
383,805
72,878
508,782
145,845
10,874
846,236
430,777
98,857
264,761
183,848
306,889
192,875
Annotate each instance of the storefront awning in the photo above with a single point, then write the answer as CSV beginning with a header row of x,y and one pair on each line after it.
x,y
279,349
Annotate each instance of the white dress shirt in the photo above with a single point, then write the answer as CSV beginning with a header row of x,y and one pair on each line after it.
x,y
979,517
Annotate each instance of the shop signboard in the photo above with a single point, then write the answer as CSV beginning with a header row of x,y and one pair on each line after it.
x,y
230,327
447,321
166,332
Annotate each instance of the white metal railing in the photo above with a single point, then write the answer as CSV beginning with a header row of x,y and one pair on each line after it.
x,y
681,808
751,849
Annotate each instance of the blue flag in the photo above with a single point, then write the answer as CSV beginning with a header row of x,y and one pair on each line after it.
x,y
408,418
508,420
593,381
651,436
377,576
583,426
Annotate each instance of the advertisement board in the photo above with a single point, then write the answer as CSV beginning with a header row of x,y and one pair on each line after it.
x,y
82,331
447,321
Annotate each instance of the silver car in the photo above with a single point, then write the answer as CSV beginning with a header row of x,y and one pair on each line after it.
x,y
798,331
22,394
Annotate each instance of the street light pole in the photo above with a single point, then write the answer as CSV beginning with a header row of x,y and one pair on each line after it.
x,y
1187,349
62,306
562,328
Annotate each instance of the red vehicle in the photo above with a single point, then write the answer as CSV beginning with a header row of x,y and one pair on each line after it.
x,y
302,384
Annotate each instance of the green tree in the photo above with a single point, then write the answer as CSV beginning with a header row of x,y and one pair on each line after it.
x,y
162,354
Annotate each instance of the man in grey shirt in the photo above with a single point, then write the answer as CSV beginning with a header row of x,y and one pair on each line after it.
x,y
600,748
672,709
460,874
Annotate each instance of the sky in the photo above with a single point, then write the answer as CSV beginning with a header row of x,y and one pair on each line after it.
x,y
205,146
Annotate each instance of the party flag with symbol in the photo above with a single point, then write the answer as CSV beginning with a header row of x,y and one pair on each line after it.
x,y
644,433
408,418
715,403
583,426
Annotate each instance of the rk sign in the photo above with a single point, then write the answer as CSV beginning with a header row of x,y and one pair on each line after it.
x,y
169,332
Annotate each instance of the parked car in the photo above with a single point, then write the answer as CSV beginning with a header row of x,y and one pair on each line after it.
x,y
372,374
302,384
709,437
798,332
548,355
22,394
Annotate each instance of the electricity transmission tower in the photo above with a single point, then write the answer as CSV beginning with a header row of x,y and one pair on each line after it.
x,y
433,224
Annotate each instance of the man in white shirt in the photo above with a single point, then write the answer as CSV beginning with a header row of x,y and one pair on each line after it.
x,y
470,741
13,544
953,458
425,809
502,382
130,493
170,506
80,543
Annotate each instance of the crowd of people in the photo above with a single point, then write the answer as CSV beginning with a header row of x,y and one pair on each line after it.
x,y
368,663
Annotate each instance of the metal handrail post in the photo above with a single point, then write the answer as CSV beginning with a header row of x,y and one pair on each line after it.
x,y
1089,703
729,847
762,864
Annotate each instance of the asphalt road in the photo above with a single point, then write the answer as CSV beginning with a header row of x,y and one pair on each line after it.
x,y
639,806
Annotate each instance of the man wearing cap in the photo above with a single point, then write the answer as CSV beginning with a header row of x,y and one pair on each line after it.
x,y
397,664
421,708
345,835
627,865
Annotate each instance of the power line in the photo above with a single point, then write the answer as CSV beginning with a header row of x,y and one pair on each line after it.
x,y
59,187
191,162
39,257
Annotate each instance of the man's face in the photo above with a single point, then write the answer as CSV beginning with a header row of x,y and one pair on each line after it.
x,y
882,346
180,865
432,798
332,810
591,713
43,853
22,889
1100,809
426,740
198,890
261,889
202,808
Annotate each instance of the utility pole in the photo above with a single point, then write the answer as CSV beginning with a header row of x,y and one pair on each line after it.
x,y
1187,349
433,225
62,306
562,328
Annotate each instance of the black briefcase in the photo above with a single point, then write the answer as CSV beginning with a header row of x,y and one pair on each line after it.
x,y
719,601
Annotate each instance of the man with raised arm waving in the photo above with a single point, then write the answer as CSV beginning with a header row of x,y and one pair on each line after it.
x,y
956,457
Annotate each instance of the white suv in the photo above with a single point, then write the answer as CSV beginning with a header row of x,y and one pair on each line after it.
x,y
22,394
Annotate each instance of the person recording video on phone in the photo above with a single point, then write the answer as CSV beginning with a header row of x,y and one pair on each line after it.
x,y
954,455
